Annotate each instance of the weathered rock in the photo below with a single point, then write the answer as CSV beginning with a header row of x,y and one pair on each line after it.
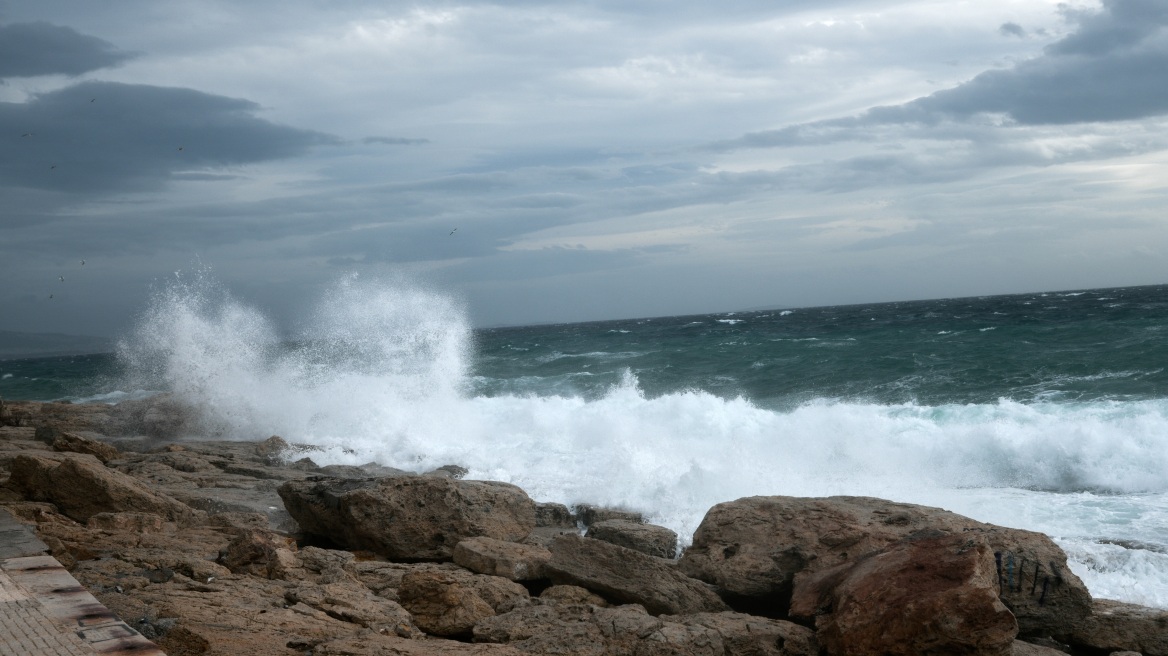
x,y
131,522
753,550
352,602
82,487
553,515
74,443
571,594
517,562
261,553
588,630
385,645
273,449
922,596
589,514
1116,626
386,580
1028,649
409,518
647,538
749,635
440,605
623,575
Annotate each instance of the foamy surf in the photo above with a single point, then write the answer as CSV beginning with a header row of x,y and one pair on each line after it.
x,y
382,373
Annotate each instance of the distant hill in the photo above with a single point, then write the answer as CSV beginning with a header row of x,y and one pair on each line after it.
x,y
15,345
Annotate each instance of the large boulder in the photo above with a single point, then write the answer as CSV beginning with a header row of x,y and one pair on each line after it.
x,y
75,443
755,548
1116,626
409,518
627,576
924,596
82,487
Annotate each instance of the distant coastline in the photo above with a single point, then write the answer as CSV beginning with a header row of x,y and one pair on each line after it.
x,y
17,345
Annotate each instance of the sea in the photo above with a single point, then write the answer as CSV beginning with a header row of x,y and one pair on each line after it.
x,y
1043,411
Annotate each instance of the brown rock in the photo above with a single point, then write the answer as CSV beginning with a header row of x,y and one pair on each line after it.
x,y
74,443
1027,649
554,515
749,635
82,487
273,449
440,605
1116,626
350,601
927,596
409,518
260,552
386,579
510,560
623,575
588,630
647,538
753,550
571,594
589,514
130,521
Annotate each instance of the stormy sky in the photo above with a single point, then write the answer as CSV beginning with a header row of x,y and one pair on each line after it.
x,y
593,160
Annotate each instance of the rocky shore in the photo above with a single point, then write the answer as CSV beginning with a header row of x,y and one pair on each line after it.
x,y
234,547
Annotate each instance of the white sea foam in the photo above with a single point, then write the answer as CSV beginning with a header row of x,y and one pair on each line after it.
x,y
382,376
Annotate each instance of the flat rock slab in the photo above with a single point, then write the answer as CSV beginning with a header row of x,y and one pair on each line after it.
x,y
44,611
627,576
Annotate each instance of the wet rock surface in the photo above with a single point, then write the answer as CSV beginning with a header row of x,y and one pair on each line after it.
x,y
249,547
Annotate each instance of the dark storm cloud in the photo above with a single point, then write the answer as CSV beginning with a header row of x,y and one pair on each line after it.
x,y
40,48
100,137
1110,69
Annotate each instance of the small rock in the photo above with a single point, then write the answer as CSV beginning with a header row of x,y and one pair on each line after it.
x,y
554,515
647,538
589,515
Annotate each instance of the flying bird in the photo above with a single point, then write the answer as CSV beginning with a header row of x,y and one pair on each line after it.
x,y
180,147
50,295
62,278
92,99
52,167
26,134
82,262
452,232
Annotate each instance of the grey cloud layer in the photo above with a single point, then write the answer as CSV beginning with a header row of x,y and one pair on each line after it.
x,y
40,48
103,137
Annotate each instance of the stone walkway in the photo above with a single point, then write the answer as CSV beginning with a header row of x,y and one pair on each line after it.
x,y
44,611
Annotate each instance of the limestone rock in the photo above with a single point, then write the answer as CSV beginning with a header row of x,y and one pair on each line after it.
x,y
749,635
553,515
581,629
1116,626
260,552
647,538
409,518
386,580
926,596
517,562
352,602
753,549
589,514
440,605
1022,648
130,522
571,594
82,487
74,443
623,575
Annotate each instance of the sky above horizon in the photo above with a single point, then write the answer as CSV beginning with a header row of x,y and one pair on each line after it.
x,y
554,162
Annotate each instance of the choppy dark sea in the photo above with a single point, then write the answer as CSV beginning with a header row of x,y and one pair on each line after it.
x,y
1044,411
